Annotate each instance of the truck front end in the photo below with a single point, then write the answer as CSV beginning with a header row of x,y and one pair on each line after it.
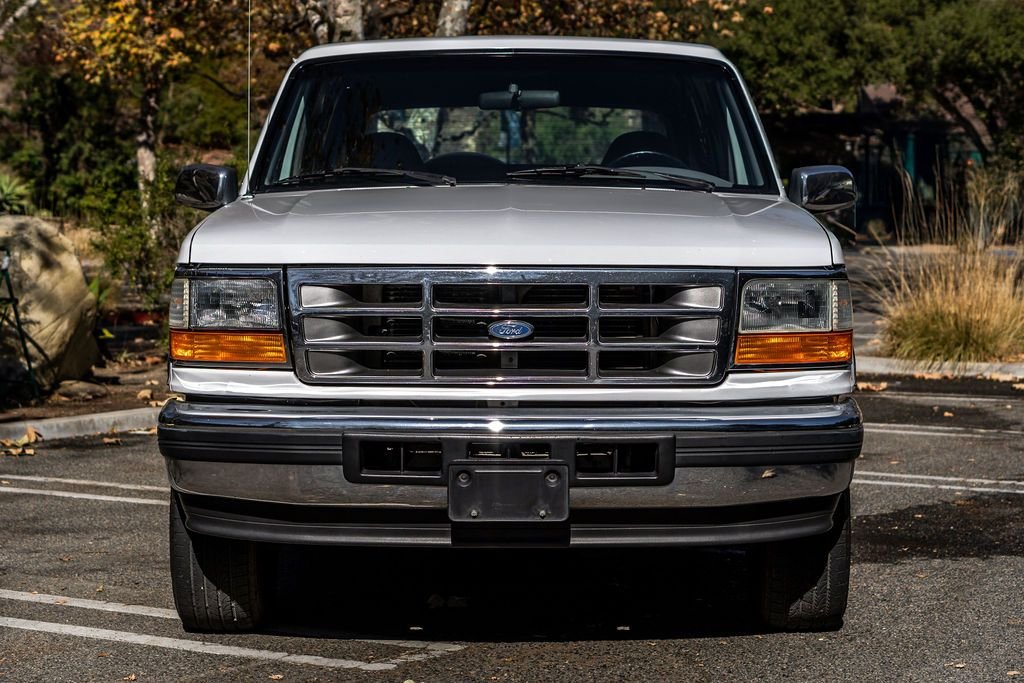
x,y
555,298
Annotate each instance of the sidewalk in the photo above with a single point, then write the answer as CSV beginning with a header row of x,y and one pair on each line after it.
x,y
82,425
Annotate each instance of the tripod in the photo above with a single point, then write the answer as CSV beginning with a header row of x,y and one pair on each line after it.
x,y
9,315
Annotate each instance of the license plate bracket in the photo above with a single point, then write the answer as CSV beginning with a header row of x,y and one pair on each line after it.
x,y
508,492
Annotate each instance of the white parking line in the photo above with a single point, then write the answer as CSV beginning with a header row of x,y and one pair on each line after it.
x,y
198,646
431,649
944,398
943,487
85,482
101,605
84,496
918,432
939,430
933,477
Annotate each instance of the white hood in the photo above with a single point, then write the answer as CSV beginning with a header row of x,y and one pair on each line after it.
x,y
513,225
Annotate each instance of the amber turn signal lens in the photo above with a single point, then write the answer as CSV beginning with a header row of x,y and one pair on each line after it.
x,y
794,348
228,347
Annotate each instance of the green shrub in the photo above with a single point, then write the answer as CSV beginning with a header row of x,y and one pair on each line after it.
x,y
140,247
13,195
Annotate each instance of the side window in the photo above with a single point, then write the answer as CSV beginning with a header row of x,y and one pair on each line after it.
x,y
737,154
745,166
296,140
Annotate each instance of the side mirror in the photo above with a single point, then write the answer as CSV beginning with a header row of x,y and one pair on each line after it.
x,y
821,189
206,187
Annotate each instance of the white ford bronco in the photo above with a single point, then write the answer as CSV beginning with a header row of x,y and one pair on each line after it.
x,y
511,292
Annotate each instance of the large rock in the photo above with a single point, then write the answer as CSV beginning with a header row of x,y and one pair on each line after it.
x,y
57,309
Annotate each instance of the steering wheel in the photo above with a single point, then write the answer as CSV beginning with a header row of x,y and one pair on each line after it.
x,y
647,158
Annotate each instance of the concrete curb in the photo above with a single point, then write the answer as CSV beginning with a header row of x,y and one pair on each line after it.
x,y
82,425
146,418
873,365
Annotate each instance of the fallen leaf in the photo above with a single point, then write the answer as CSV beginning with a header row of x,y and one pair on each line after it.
x,y
768,473
103,654
32,435
66,558
1018,387
872,386
112,440
957,665
275,677
932,375
145,395
4,482
947,413
1013,673
129,677
1000,377
60,601
151,430
99,588
152,382
153,360
158,404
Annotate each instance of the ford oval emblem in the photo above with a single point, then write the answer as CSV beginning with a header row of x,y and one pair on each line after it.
x,y
510,330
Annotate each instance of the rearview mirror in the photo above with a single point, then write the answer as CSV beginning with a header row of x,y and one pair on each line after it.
x,y
517,99
206,187
821,189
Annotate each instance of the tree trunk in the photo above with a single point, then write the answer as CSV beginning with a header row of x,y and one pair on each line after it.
x,y
333,21
314,14
957,103
451,19
145,142
16,15
346,20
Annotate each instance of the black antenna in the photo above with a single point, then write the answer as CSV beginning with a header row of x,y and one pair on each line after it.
x,y
248,94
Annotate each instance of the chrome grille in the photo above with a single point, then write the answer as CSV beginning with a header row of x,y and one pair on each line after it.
x,y
431,325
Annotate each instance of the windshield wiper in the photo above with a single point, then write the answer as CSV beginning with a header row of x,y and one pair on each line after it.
x,y
598,171
421,177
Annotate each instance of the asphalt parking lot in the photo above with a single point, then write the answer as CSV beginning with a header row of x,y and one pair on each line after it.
x,y
937,595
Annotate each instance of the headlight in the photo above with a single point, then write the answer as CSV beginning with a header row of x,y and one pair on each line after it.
x,y
226,320
795,321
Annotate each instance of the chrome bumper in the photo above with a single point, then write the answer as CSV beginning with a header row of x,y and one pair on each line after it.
x,y
725,455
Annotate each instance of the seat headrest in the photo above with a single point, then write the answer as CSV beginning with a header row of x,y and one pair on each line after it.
x,y
386,150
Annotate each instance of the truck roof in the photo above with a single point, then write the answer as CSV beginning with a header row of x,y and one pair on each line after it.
x,y
500,43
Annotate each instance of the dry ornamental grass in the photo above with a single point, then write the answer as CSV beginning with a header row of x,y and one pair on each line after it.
x,y
958,306
954,289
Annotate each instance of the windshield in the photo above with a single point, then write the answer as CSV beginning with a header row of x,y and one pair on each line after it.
x,y
486,118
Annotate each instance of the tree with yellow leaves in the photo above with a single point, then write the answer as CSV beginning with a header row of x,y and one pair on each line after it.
x,y
137,45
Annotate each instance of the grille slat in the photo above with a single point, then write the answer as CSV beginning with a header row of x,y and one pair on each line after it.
x,y
431,325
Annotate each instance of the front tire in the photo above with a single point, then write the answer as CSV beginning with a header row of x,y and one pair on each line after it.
x,y
807,581
215,581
